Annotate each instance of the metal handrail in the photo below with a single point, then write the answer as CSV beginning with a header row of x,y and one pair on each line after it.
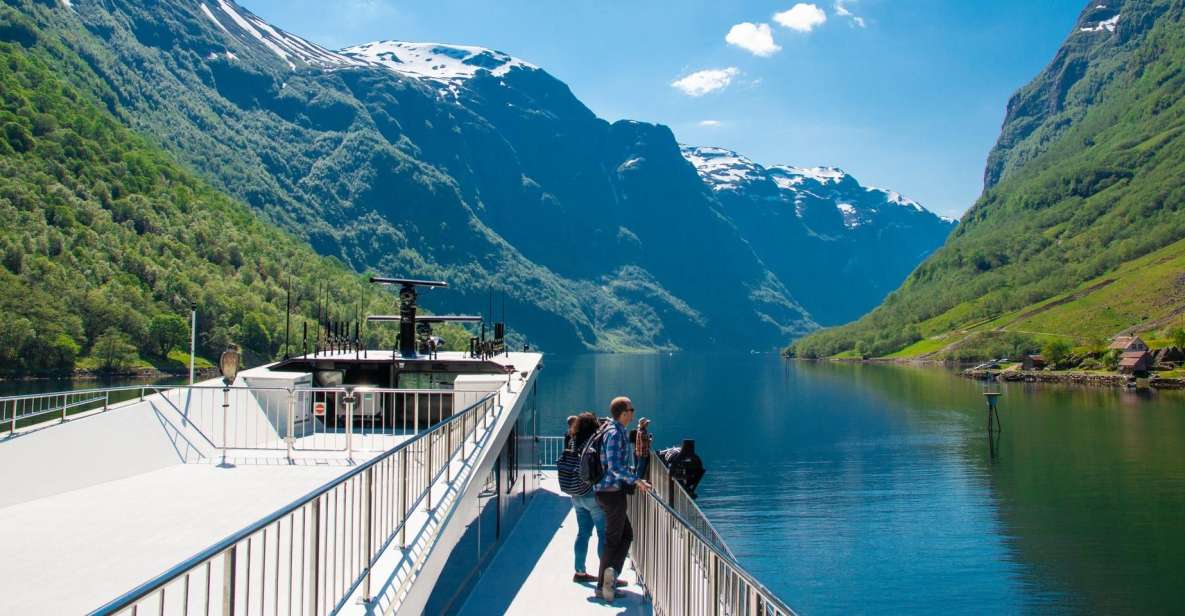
x,y
682,501
685,573
424,445
685,564
667,487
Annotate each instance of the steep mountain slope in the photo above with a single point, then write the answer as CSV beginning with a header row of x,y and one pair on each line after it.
x,y
106,241
490,180
1088,175
839,247
458,162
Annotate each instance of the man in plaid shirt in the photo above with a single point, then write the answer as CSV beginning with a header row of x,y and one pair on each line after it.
x,y
611,495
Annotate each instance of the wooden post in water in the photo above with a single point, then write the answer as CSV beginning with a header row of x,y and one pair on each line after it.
x,y
992,411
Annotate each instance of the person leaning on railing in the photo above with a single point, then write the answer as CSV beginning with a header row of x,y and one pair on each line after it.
x,y
611,495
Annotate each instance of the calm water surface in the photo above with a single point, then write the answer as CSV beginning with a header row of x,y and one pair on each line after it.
x,y
853,488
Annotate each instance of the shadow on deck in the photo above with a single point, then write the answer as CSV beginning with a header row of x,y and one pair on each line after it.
x,y
532,572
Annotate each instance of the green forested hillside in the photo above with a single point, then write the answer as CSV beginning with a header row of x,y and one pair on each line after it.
x,y
105,241
1089,175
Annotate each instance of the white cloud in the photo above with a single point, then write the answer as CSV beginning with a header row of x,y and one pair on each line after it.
x,y
802,17
757,39
710,123
843,11
702,82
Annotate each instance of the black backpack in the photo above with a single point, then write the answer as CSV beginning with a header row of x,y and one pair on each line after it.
x,y
568,469
591,469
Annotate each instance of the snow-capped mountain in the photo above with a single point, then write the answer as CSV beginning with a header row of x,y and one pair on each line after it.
x,y
725,171
445,63
293,50
808,220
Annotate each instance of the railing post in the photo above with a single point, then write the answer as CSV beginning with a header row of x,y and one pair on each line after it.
x,y
403,500
369,478
713,565
291,438
63,408
106,401
428,472
350,426
315,561
415,405
228,580
448,458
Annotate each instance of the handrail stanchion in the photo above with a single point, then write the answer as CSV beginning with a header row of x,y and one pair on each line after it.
x,y
428,473
350,426
714,608
315,561
448,457
228,580
369,512
291,436
403,500
63,407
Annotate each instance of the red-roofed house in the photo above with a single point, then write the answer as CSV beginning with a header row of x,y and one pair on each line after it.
x,y
1134,361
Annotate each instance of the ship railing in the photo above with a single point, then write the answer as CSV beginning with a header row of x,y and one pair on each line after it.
x,y
676,497
670,490
310,556
257,418
685,564
549,450
685,573
22,410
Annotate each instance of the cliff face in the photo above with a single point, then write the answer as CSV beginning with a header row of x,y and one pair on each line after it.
x,y
1088,177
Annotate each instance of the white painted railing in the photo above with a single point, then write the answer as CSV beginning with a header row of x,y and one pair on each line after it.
x,y
312,555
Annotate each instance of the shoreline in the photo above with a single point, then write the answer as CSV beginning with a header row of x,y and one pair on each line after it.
x,y
1071,377
1074,377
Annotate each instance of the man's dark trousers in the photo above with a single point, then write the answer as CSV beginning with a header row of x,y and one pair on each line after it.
x,y
618,532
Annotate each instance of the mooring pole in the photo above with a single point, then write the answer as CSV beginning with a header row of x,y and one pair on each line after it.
x,y
992,399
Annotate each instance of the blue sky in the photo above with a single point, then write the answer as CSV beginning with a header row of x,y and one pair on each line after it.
x,y
903,94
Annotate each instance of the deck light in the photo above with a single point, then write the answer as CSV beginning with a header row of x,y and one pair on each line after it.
x,y
228,364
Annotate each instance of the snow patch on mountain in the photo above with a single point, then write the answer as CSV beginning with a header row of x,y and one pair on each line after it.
x,y
851,219
725,170
444,63
722,169
210,14
822,175
1107,25
288,47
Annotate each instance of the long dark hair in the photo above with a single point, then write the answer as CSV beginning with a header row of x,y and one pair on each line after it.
x,y
586,426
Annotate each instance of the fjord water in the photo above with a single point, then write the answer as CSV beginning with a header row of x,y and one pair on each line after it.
x,y
852,488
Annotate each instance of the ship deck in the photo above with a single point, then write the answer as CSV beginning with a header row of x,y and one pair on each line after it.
x,y
114,535
532,572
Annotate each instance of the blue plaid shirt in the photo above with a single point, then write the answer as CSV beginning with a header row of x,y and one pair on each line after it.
x,y
615,459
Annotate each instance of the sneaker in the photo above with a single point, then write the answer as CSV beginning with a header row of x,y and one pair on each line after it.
x,y
583,577
608,585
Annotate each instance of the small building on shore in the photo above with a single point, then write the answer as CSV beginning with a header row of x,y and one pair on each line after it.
x,y
1032,362
1134,361
1128,344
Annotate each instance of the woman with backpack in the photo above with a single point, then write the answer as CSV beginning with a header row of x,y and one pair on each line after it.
x,y
589,514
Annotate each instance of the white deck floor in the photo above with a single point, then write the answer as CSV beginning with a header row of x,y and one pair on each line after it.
x,y
532,572
72,552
